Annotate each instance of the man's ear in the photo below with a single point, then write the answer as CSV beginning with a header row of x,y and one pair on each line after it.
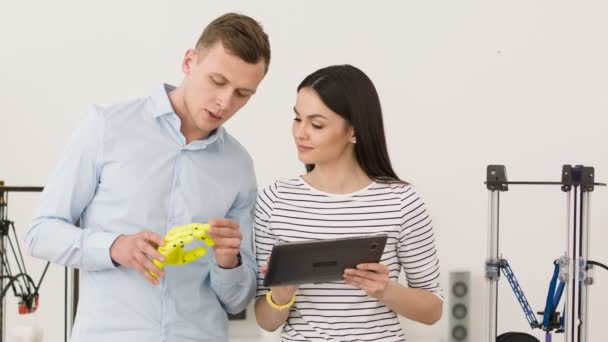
x,y
189,59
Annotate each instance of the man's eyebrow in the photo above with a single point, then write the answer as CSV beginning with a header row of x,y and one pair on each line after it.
x,y
312,116
224,79
220,76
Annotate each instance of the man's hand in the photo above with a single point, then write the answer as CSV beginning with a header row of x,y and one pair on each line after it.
x,y
227,236
136,251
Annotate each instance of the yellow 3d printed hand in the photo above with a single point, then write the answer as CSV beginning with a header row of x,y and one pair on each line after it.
x,y
176,238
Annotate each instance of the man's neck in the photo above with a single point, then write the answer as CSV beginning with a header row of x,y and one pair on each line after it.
x,y
188,128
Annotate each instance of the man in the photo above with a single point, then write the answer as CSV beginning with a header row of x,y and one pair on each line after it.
x,y
135,170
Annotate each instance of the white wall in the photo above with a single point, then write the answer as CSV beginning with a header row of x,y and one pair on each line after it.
x,y
463,84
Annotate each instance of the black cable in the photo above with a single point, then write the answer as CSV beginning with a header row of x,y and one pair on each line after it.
x,y
14,279
19,266
36,287
596,263
18,250
30,292
6,266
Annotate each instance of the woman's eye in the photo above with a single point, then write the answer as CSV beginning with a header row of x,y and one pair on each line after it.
x,y
317,126
297,119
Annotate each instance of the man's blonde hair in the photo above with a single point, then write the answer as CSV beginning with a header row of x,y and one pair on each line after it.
x,y
239,34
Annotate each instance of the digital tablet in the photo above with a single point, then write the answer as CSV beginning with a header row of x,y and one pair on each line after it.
x,y
320,261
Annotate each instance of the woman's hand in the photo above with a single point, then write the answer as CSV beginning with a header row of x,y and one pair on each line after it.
x,y
281,295
371,278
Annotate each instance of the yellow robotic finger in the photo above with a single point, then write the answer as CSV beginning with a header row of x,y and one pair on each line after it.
x,y
172,250
204,237
199,226
194,229
177,231
193,255
181,239
172,246
177,238
200,231
208,241
197,230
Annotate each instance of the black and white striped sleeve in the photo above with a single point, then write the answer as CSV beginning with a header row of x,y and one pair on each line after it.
x,y
264,237
416,245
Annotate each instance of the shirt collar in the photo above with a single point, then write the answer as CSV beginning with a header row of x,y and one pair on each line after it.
x,y
161,105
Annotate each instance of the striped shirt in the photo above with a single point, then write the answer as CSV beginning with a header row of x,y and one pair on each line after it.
x,y
292,210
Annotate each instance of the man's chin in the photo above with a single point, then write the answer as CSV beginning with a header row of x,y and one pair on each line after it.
x,y
208,126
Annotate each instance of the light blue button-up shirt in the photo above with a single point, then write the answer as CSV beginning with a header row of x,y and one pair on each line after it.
x,y
128,169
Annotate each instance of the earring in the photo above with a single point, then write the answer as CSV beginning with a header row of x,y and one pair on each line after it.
x,y
353,140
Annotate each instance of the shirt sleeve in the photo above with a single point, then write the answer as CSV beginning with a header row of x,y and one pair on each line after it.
x,y
236,287
264,237
416,245
71,186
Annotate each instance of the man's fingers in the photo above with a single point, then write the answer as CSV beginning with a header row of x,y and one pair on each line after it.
x,y
158,264
227,251
142,260
151,252
153,237
223,232
141,269
144,265
227,243
149,276
150,266
224,222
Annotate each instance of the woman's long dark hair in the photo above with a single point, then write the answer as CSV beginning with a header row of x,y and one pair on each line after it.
x,y
348,92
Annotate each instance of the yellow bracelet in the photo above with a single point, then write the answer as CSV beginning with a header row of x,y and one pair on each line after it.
x,y
276,306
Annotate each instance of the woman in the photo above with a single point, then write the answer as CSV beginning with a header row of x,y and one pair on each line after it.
x,y
350,189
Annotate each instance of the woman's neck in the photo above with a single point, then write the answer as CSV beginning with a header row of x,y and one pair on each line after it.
x,y
338,178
